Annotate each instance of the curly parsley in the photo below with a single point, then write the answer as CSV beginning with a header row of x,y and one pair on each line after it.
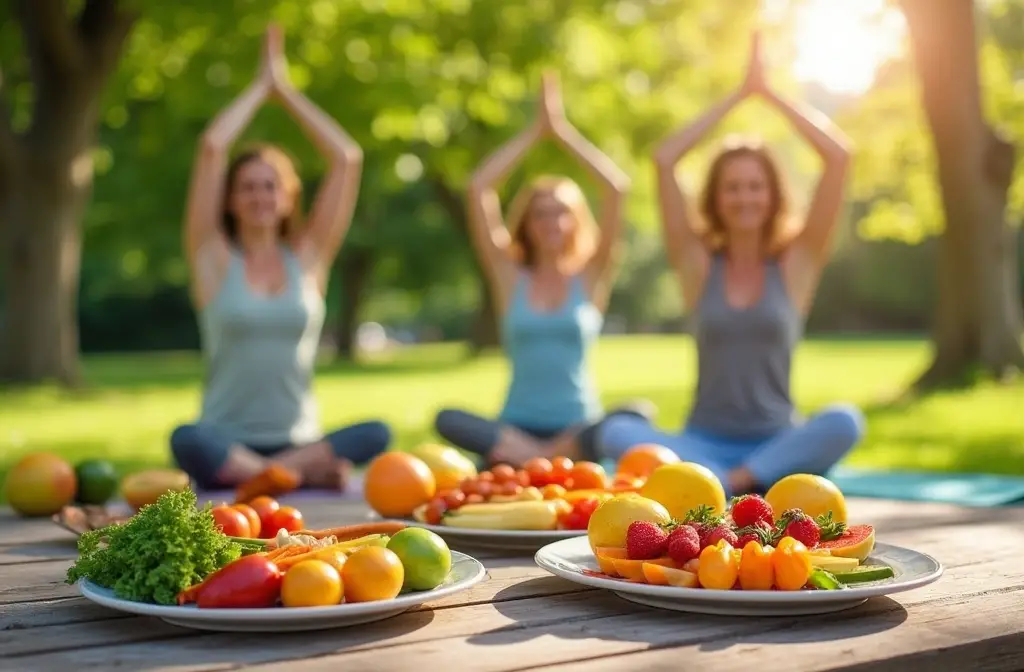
x,y
165,548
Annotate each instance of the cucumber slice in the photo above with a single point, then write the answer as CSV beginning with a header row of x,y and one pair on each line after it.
x,y
865,574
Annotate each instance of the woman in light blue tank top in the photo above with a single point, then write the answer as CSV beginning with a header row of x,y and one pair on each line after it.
x,y
550,272
750,283
258,284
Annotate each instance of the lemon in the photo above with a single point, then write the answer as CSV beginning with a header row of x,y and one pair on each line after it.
x,y
611,519
684,486
450,467
814,495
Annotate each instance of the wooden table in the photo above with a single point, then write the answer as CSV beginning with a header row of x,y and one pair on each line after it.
x,y
523,618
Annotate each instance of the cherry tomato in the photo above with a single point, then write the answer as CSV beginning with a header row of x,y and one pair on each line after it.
x,y
287,518
254,519
583,510
561,468
573,521
252,581
503,473
539,469
265,507
588,475
485,477
552,491
232,522
485,489
435,509
475,499
470,486
523,478
510,488
453,499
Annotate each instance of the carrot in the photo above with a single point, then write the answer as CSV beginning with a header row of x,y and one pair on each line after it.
x,y
349,532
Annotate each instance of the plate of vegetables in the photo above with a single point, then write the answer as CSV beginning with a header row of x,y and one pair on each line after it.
x,y
173,562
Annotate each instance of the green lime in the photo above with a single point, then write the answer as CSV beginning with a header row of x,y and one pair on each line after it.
x,y
97,481
425,557
865,573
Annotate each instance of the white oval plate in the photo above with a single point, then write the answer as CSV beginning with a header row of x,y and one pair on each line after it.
x,y
570,558
500,540
466,572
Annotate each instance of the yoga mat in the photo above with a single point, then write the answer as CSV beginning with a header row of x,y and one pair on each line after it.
x,y
976,490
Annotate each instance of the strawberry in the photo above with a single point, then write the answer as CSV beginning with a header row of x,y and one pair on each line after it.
x,y
683,544
645,541
761,532
711,536
797,524
748,510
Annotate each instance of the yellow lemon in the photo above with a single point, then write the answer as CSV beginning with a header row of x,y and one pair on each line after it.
x,y
814,495
450,467
611,519
684,486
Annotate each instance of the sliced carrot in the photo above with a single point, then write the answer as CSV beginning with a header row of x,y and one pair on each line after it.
x,y
349,532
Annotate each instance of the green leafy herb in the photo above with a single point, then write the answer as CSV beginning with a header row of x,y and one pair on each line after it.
x,y
165,548
829,529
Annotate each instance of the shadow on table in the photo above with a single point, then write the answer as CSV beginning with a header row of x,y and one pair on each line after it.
x,y
601,615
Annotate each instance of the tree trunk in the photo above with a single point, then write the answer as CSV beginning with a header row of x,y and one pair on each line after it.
x,y
46,179
978,318
484,332
355,274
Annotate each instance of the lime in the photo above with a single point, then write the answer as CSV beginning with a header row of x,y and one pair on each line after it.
x,y
97,481
424,555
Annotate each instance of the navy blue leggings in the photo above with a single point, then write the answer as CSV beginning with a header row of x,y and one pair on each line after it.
x,y
201,450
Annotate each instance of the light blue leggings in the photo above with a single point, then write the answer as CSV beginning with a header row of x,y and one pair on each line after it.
x,y
813,447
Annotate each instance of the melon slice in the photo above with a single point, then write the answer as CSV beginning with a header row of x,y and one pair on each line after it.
x,y
606,555
856,542
634,569
834,563
659,575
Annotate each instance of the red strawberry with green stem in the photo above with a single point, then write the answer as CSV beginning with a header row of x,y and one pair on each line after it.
x,y
645,541
749,510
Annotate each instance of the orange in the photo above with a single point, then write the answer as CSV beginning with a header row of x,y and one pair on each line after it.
x,y
40,484
634,569
659,575
606,557
642,459
311,583
372,573
397,483
588,475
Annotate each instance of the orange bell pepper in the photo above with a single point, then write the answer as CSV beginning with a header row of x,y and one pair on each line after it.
x,y
757,571
719,566
792,564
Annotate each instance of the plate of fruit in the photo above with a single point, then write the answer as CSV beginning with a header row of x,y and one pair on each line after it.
x,y
500,508
174,561
747,557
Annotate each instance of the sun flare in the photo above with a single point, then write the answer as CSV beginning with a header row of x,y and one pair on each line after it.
x,y
841,43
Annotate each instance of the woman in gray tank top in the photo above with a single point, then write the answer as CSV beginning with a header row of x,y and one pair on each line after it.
x,y
750,284
258,284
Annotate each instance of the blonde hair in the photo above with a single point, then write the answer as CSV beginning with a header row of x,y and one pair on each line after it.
x,y
284,166
584,236
778,231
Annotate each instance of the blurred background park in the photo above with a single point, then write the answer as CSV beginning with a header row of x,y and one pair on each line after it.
x,y
102,101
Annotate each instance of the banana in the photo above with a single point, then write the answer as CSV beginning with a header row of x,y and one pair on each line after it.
x,y
530,515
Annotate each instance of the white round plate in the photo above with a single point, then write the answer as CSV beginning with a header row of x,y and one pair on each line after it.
x,y
499,540
465,572
571,558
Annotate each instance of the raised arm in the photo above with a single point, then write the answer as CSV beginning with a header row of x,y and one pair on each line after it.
x,y
600,270
331,213
487,228
205,245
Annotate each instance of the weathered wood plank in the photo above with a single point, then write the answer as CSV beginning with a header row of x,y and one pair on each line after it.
x,y
23,616
986,627
28,553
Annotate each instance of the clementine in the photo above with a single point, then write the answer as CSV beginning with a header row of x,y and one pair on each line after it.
x,y
372,573
40,484
588,476
642,459
397,483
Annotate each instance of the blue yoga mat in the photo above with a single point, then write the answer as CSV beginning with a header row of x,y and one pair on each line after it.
x,y
962,489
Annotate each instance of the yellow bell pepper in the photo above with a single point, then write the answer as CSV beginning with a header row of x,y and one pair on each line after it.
x,y
792,564
756,569
719,566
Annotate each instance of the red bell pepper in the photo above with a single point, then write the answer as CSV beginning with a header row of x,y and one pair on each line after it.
x,y
250,582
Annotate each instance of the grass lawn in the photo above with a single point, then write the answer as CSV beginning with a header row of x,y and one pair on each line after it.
x,y
135,400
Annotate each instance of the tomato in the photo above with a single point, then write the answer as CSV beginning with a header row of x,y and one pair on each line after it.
x,y
232,522
485,477
588,475
250,582
265,507
475,499
254,519
539,469
485,489
453,499
510,488
435,509
470,486
561,468
553,491
287,518
503,473
523,478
